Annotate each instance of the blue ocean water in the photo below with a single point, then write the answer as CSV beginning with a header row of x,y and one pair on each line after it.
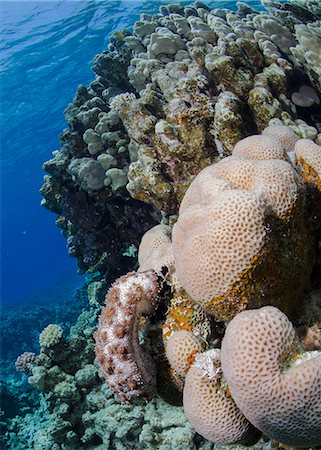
x,y
47,48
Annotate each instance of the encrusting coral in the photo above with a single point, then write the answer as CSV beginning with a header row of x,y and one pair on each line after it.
x,y
274,383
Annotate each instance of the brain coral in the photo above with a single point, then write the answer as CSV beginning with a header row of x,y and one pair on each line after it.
x,y
208,405
259,147
128,369
284,135
181,348
277,388
241,240
155,249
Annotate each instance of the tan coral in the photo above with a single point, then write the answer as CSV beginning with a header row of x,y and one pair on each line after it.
x,y
51,336
209,406
283,134
274,179
275,385
240,240
128,369
155,249
259,147
181,348
308,157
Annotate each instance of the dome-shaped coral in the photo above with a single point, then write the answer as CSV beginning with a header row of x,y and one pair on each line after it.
x,y
308,157
155,249
181,348
241,240
283,134
259,147
275,385
208,405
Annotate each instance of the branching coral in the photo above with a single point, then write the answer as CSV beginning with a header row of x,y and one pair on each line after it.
x,y
51,336
128,370
25,361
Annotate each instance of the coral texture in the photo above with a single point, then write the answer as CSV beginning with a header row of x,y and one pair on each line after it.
x,y
277,387
308,157
25,361
51,336
127,368
253,199
152,135
284,135
155,249
181,348
208,405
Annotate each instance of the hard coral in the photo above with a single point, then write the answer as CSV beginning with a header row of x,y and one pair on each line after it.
x,y
308,157
259,147
283,134
261,202
185,314
51,336
181,348
275,384
128,369
209,406
25,361
155,249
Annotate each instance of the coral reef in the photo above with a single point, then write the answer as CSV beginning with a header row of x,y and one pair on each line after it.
x,y
25,361
155,249
86,184
308,157
163,157
51,336
181,349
